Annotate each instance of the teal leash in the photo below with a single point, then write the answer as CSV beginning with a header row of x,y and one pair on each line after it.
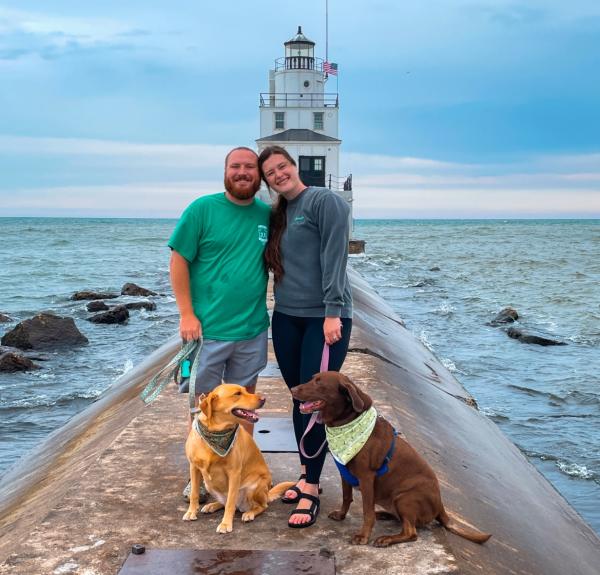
x,y
166,374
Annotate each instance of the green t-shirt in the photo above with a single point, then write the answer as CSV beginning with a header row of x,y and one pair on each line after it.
x,y
224,243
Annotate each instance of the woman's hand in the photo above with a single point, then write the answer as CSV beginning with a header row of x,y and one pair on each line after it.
x,y
332,329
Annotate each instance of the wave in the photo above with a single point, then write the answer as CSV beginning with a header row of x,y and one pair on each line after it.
x,y
535,392
445,310
574,397
575,470
45,401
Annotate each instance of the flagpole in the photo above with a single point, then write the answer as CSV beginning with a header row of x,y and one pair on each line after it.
x,y
326,30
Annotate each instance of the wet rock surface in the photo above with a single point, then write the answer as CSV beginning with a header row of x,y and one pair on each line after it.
x,y
117,314
44,331
97,305
12,362
527,337
83,295
134,289
4,318
507,315
148,305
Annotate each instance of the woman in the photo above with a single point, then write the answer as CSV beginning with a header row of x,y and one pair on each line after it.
x,y
307,253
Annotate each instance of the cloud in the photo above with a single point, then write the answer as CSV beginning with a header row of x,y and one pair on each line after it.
x,y
159,180
152,200
49,37
174,155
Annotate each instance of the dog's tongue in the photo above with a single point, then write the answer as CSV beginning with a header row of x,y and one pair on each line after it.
x,y
245,414
309,406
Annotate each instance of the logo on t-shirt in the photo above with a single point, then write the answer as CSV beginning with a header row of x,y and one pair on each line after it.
x,y
263,234
299,220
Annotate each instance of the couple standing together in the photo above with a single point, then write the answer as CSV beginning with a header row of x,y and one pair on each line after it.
x,y
222,249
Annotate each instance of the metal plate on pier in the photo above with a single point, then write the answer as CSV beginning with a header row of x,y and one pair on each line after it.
x,y
275,435
228,562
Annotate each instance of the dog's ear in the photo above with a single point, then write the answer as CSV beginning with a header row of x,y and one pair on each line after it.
x,y
206,405
360,400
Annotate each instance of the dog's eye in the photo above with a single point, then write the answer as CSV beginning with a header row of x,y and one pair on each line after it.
x,y
238,393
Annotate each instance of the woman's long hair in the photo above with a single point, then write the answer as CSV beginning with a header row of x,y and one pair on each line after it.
x,y
278,216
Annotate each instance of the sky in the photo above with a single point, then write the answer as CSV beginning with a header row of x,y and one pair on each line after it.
x,y
448,108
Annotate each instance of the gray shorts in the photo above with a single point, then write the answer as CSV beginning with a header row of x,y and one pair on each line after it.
x,y
237,362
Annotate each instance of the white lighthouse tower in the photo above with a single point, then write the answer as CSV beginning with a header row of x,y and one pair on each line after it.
x,y
299,115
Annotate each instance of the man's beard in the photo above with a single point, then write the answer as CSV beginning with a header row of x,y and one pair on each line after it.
x,y
241,193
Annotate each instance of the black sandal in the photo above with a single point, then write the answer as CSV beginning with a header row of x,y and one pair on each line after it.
x,y
297,491
313,511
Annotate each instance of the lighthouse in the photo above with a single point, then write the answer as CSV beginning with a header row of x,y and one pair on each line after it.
x,y
300,115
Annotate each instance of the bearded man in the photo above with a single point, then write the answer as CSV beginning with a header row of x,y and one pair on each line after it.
x,y
219,278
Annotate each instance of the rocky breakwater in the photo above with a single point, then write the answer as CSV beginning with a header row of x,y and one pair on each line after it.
x,y
47,330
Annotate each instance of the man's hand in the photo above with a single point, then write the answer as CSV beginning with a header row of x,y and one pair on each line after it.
x,y
190,328
332,329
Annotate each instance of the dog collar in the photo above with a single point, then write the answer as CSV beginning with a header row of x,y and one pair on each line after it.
x,y
220,442
347,440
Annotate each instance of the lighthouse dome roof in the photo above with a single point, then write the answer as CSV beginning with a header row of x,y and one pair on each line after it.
x,y
299,37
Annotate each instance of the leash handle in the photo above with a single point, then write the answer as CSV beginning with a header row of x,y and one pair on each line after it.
x,y
193,372
315,415
164,375
325,358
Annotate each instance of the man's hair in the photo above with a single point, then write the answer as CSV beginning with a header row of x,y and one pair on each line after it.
x,y
239,148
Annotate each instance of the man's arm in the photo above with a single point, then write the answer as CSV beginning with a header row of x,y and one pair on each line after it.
x,y
190,327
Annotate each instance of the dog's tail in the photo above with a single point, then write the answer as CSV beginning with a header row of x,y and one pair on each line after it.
x,y
278,490
470,533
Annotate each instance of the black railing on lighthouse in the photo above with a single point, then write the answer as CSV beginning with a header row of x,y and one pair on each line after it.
x,y
339,184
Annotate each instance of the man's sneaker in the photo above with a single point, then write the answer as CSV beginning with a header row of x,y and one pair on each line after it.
x,y
203,494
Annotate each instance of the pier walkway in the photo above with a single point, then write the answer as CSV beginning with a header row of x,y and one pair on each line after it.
x,y
113,478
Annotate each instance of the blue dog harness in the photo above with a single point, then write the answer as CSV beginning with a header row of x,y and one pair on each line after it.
x,y
352,480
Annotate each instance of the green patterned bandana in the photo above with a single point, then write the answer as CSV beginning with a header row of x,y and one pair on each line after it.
x,y
347,440
219,441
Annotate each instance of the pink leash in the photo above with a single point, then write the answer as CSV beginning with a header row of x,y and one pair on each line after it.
x,y
315,415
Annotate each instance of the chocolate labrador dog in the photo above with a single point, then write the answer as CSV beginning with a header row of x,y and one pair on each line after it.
x,y
390,473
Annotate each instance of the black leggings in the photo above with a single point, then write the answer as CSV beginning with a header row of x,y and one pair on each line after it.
x,y
298,344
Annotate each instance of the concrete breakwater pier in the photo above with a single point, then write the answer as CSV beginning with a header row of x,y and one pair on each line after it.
x,y
112,477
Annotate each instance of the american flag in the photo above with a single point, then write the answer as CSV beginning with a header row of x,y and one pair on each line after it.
x,y
330,68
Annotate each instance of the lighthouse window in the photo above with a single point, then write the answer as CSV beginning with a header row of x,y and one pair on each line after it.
x,y
279,120
317,120
318,165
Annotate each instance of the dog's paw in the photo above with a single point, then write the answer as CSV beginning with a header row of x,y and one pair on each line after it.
x,y
190,516
337,515
224,527
359,539
248,516
211,507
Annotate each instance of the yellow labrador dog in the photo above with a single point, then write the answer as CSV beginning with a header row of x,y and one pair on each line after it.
x,y
223,454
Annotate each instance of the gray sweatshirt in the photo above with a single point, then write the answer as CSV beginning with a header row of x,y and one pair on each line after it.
x,y
314,251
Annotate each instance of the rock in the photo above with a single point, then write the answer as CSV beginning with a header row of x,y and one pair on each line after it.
x,y
11,362
45,330
117,314
82,295
524,337
133,289
507,315
149,305
97,305
4,318
434,269
35,355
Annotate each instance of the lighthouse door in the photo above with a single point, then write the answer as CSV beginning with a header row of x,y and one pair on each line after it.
x,y
312,170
